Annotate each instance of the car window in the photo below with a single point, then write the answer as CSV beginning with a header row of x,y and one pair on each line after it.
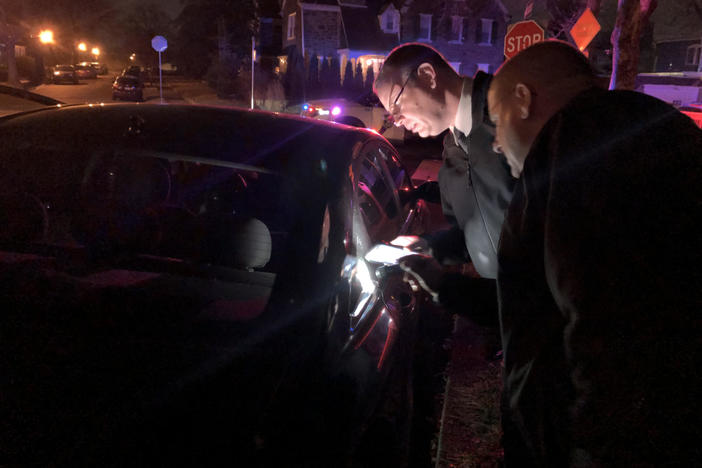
x,y
120,208
377,195
398,174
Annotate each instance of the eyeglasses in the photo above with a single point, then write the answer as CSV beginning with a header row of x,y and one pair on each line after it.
x,y
397,98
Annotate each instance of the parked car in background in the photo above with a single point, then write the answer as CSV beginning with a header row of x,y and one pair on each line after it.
x,y
63,74
144,74
193,286
100,67
128,88
366,111
86,70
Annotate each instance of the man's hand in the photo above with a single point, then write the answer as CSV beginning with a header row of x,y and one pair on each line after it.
x,y
422,271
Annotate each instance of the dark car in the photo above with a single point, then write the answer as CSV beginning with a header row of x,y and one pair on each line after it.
x,y
137,71
128,88
100,67
192,286
63,74
86,70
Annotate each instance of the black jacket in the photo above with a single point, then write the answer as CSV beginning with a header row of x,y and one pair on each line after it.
x,y
599,286
476,185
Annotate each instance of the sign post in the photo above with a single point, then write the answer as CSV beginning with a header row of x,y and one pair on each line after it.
x,y
159,44
521,35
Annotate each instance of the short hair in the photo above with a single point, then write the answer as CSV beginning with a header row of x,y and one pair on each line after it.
x,y
551,64
405,59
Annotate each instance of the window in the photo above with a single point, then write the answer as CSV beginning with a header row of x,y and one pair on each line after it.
x,y
485,32
484,67
291,25
693,54
390,21
456,29
424,27
378,202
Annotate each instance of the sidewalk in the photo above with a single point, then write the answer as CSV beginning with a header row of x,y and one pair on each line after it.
x,y
196,92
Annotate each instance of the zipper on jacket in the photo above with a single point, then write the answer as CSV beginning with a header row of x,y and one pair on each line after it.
x,y
477,202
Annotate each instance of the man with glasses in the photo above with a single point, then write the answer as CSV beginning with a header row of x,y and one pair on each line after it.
x,y
426,96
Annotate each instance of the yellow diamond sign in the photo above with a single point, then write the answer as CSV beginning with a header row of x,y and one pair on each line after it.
x,y
585,29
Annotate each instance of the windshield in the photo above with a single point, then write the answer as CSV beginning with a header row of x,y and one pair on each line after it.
x,y
65,68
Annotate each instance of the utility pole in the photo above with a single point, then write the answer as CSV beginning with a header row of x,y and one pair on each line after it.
x,y
253,65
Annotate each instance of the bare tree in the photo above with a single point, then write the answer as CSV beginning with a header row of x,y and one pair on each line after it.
x,y
564,14
632,17
9,34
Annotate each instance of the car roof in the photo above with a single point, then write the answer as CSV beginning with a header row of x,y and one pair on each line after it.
x,y
213,133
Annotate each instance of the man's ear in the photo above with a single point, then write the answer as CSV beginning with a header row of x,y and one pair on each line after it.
x,y
427,75
523,96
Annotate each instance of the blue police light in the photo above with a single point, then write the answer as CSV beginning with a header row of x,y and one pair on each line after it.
x,y
305,107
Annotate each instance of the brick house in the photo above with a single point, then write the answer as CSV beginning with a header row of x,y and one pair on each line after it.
x,y
468,32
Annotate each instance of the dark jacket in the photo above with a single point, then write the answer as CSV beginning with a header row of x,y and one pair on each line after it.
x,y
599,286
476,185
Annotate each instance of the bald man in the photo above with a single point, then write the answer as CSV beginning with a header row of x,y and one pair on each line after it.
x,y
598,276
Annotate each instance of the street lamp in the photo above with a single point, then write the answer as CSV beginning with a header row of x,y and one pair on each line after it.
x,y
95,51
82,47
46,36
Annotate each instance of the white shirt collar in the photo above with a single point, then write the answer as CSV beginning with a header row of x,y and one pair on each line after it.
x,y
463,115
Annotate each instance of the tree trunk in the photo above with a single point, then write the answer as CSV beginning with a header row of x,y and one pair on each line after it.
x,y
632,16
12,76
594,6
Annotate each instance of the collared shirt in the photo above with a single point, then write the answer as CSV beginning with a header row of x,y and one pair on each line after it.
x,y
463,115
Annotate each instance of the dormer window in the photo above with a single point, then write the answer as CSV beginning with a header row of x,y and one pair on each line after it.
x,y
291,25
456,29
693,54
390,21
424,27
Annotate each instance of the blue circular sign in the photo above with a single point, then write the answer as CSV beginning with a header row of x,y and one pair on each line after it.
x,y
159,43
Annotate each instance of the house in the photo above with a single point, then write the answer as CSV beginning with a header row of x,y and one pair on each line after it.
x,y
677,34
469,33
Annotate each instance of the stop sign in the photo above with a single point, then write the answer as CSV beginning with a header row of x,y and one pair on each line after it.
x,y
521,35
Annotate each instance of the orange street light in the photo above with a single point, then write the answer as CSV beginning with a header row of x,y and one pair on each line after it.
x,y
95,51
46,36
82,47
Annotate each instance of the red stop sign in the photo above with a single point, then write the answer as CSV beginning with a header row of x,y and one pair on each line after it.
x,y
521,35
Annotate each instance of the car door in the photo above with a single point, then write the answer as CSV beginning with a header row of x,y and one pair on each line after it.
x,y
374,306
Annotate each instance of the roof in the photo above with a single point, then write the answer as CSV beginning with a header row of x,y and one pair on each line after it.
x,y
216,133
363,31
